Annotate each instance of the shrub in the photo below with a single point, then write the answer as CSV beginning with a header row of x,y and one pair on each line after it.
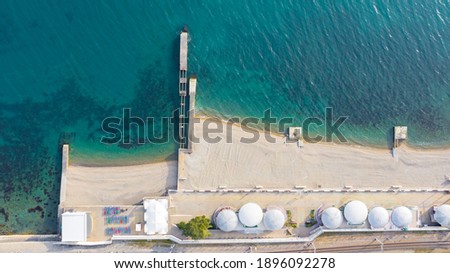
x,y
289,221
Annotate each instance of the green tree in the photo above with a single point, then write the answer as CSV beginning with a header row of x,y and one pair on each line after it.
x,y
196,228
289,221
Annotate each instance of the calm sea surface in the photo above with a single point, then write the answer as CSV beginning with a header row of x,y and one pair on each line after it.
x,y
67,65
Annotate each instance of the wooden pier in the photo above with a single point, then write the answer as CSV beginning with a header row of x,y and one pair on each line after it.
x,y
182,88
192,90
187,99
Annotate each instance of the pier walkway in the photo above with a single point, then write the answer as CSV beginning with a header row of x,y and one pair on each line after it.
x,y
182,87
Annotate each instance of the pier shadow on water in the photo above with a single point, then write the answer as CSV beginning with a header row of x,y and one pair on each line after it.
x,y
390,138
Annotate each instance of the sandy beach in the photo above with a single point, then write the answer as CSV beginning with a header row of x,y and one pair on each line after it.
x,y
125,185
320,165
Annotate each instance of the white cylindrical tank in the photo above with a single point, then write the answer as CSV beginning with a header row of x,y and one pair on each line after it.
x,y
226,220
442,215
250,214
332,218
274,219
355,212
401,217
378,217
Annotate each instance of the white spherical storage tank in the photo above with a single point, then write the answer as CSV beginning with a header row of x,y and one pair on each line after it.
x,y
226,220
442,215
332,218
378,217
401,217
274,219
355,212
250,214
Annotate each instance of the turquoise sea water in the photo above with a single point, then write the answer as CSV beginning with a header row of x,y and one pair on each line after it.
x,y
67,65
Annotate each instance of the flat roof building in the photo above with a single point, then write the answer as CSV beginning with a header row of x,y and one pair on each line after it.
x,y
74,227
156,216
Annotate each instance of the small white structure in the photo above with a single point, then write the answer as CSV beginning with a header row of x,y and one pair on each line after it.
x,y
250,215
378,217
295,133
226,220
274,219
400,132
355,212
442,215
401,217
138,227
332,218
74,227
156,216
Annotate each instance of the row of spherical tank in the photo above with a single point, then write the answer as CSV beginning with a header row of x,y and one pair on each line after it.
x,y
356,213
249,215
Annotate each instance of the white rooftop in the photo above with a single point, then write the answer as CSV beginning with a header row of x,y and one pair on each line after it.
x,y
74,227
250,214
156,216
355,212
332,218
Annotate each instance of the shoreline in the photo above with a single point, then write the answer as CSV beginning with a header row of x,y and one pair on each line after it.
x,y
125,163
205,113
105,159
404,145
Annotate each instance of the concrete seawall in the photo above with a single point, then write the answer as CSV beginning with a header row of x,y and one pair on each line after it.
x,y
62,192
65,166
